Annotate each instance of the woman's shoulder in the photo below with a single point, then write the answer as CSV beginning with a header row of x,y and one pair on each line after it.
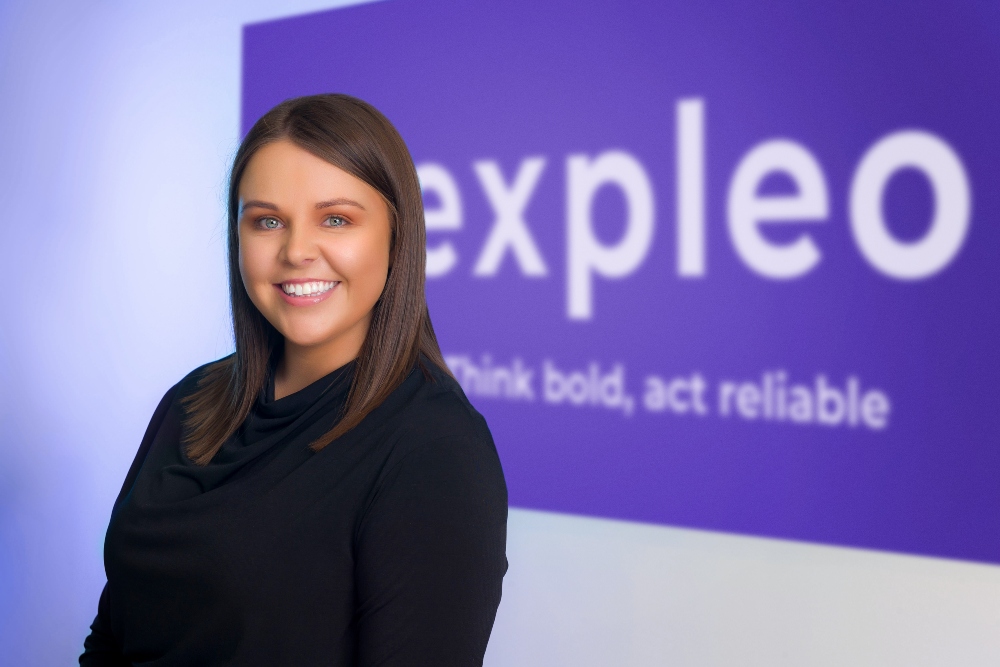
x,y
188,384
441,409
441,436
437,419
165,423
172,400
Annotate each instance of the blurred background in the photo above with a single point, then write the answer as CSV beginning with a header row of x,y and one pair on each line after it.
x,y
742,258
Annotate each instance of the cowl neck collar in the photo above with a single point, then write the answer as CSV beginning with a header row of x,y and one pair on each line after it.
x,y
284,427
270,416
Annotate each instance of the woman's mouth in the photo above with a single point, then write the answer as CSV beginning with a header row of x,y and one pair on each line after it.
x,y
307,289
302,293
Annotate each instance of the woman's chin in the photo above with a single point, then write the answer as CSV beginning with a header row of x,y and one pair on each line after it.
x,y
307,338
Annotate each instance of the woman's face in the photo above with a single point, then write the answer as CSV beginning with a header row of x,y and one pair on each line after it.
x,y
314,247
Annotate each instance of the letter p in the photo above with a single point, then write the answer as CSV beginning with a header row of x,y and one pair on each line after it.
x,y
586,255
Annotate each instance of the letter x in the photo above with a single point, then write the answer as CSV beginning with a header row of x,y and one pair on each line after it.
x,y
509,230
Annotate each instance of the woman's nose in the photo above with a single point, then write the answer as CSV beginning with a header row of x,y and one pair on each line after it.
x,y
300,248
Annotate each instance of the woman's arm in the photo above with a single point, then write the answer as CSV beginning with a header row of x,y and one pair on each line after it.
x,y
101,648
431,557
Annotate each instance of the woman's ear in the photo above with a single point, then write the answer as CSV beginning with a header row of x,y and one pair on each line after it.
x,y
392,243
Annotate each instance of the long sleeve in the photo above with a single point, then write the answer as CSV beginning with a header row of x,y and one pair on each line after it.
x,y
431,557
101,648
385,548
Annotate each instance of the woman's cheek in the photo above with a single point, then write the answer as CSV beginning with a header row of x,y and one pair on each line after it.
x,y
376,267
255,270
363,265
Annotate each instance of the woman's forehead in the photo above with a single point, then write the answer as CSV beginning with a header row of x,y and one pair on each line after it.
x,y
281,169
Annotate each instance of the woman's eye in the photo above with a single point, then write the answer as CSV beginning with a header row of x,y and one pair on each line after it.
x,y
335,221
270,223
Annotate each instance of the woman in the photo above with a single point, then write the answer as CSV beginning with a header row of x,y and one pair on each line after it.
x,y
326,495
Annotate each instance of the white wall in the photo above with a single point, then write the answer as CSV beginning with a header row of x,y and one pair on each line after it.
x,y
117,120
589,592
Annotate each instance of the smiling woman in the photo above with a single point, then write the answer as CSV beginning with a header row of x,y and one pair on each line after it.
x,y
299,248
326,494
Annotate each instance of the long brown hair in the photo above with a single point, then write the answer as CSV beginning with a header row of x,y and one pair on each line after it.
x,y
354,136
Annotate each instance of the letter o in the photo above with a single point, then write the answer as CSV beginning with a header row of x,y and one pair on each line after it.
x,y
952,205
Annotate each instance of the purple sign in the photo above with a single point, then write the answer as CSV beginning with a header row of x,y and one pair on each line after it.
x,y
704,264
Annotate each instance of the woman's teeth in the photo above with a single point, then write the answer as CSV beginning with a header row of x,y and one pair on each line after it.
x,y
307,289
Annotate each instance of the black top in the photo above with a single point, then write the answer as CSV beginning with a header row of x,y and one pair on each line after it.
x,y
384,548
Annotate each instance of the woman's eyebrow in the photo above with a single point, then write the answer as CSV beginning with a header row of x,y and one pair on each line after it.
x,y
256,203
341,201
